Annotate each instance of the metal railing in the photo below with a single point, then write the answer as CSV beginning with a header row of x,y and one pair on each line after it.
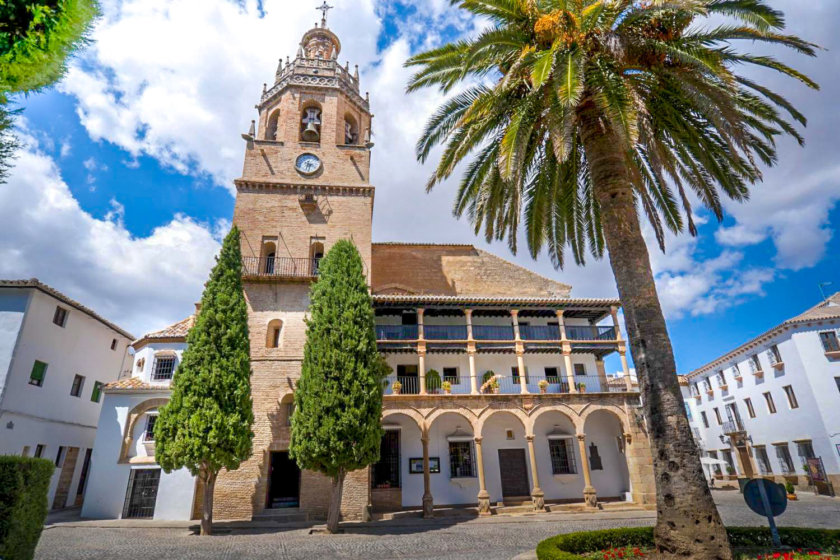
x,y
510,385
396,332
445,332
539,332
590,333
492,332
280,267
409,386
732,427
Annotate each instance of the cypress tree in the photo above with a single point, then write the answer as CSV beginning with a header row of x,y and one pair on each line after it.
x,y
206,426
336,426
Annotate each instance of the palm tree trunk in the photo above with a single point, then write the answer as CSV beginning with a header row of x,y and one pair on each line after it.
x,y
335,501
688,524
207,506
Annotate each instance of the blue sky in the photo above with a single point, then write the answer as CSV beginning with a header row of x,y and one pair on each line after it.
x,y
125,183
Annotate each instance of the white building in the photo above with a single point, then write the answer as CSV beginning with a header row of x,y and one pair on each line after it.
x,y
126,464
55,357
772,403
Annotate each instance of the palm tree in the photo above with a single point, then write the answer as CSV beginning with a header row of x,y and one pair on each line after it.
x,y
578,112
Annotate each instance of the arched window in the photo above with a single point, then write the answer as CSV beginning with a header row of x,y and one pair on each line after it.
x,y
310,123
275,329
271,126
316,253
268,258
351,130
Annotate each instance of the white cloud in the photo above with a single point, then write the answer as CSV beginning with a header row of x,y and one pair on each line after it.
x,y
140,283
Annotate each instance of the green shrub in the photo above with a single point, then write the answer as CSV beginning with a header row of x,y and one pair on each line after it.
x,y
24,483
432,380
570,546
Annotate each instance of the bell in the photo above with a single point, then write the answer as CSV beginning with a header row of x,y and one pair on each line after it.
x,y
310,134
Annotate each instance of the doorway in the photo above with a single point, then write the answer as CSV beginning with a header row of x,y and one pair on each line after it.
x,y
141,494
283,481
513,471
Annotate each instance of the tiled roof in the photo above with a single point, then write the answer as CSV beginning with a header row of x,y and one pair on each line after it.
x,y
174,332
38,285
130,383
825,310
450,270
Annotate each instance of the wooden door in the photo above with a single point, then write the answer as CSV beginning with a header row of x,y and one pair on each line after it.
x,y
513,471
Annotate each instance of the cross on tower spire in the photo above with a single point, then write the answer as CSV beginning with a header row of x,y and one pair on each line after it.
x,y
324,9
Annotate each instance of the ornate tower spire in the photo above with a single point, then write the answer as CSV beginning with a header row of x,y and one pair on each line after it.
x,y
324,9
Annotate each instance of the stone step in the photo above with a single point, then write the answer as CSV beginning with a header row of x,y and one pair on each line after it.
x,y
282,515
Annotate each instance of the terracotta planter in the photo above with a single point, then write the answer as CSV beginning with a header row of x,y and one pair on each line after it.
x,y
792,497
543,390
396,390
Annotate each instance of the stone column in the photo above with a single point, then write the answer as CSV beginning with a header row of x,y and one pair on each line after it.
x,y
589,495
420,334
468,316
514,315
523,379
483,495
428,501
602,375
622,348
473,377
537,495
561,323
628,382
570,372
520,351
421,368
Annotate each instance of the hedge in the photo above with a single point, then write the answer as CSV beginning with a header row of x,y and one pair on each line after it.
x,y
571,545
24,483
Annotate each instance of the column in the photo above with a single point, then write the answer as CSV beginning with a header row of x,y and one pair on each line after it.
x,y
602,375
589,495
567,352
421,367
561,323
473,377
628,381
523,380
483,495
622,349
537,495
420,334
428,501
520,350
468,315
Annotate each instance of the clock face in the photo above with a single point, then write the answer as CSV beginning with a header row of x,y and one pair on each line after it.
x,y
308,163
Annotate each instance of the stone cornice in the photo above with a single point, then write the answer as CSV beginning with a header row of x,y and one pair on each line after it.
x,y
249,185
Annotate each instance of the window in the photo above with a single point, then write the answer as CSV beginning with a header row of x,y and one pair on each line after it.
x,y
25,452
829,341
805,450
461,463
164,368
351,130
39,450
140,363
290,411
707,383
562,453
514,373
763,460
721,378
717,416
451,374
114,344
594,459
716,466
39,371
750,409
791,396
837,381
59,457
60,316
771,406
580,369
275,328
310,129
695,390
96,394
688,413
755,364
727,456
149,434
773,355
783,455
386,471
76,389
705,418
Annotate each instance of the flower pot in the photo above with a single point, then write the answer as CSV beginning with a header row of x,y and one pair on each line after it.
x,y
543,390
792,497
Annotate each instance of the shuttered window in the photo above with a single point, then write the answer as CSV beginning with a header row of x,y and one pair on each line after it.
x,y
39,371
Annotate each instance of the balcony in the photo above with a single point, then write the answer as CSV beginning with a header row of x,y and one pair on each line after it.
x,y
508,385
732,427
590,333
388,333
279,267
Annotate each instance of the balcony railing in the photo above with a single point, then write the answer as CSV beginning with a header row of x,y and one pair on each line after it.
x,y
537,332
590,333
396,332
492,332
732,427
445,332
511,385
280,267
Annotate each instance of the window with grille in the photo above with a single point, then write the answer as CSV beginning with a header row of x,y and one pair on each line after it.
x,y
38,373
149,434
451,374
60,316
785,461
763,460
773,355
461,460
164,368
750,409
829,341
552,375
595,463
76,388
721,378
386,471
141,494
771,406
791,396
562,456
755,363
805,450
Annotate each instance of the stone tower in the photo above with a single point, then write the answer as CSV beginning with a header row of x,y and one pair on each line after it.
x,y
304,185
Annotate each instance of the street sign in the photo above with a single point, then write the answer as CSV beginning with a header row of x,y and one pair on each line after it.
x,y
768,499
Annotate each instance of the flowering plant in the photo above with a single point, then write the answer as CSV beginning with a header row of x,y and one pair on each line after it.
x,y
491,385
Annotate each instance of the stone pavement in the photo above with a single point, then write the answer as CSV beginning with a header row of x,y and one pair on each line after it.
x,y
496,538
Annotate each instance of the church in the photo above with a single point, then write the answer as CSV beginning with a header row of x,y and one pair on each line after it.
x,y
499,400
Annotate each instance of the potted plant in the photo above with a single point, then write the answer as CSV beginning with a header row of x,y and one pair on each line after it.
x,y
730,470
432,381
396,387
491,383
447,387
581,387
543,385
791,491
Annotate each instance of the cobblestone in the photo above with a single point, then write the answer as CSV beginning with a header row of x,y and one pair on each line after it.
x,y
497,538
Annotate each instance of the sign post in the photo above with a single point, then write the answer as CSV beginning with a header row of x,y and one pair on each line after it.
x,y
768,499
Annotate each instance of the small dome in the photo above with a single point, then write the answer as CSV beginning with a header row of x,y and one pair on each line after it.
x,y
320,42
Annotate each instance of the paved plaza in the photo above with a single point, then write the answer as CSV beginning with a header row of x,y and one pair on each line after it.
x,y
496,538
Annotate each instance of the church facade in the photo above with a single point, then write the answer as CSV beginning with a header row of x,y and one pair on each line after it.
x,y
498,396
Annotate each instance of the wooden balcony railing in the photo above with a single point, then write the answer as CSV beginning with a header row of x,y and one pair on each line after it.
x,y
280,267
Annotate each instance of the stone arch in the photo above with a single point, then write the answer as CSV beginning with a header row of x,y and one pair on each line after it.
x,y
606,446
131,422
311,118
273,332
271,125
409,413
489,413
351,130
464,413
614,410
562,408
